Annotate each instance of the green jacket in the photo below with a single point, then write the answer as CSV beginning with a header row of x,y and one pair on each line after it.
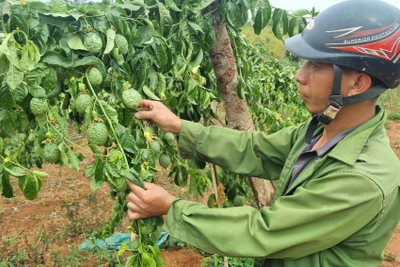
x,y
340,211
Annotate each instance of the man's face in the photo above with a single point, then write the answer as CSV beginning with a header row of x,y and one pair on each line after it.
x,y
315,86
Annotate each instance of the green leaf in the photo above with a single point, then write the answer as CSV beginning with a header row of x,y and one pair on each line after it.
x,y
7,122
19,19
54,59
149,93
262,16
171,4
144,34
202,4
87,61
296,23
285,22
236,13
130,6
133,177
199,58
195,27
122,249
16,171
165,19
75,14
57,14
110,111
161,83
110,40
75,42
58,21
29,56
31,187
90,170
133,260
126,140
162,54
5,185
211,201
20,93
158,257
142,70
5,63
148,260
36,90
95,185
11,49
40,36
14,77
276,23
40,174
300,13
22,120
153,79
112,170
99,171
49,82
73,159
181,176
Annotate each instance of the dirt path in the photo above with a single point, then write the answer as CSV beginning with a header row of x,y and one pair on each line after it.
x,y
393,248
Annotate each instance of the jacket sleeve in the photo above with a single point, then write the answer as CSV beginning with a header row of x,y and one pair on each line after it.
x,y
249,153
317,216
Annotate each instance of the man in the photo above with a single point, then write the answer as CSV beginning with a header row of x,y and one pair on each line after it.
x,y
337,200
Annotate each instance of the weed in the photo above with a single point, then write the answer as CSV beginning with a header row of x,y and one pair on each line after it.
x,y
217,261
390,256
75,227
81,258
76,213
36,252
397,145
20,252
394,116
274,47
9,251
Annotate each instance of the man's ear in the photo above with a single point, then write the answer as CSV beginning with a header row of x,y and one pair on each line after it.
x,y
361,82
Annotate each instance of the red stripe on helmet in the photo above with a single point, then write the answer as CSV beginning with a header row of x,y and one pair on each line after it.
x,y
387,48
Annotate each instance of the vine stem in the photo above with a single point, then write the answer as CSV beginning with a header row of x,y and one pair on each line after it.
x,y
15,163
215,187
65,139
108,121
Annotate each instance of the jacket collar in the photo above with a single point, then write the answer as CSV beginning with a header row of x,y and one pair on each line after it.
x,y
349,149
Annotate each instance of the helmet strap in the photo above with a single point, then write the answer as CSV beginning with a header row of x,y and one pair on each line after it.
x,y
335,104
336,99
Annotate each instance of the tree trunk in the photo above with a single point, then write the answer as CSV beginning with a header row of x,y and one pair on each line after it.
x,y
237,114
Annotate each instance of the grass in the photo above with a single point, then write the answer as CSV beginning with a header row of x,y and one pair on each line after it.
x,y
274,46
82,258
21,252
390,257
394,115
390,100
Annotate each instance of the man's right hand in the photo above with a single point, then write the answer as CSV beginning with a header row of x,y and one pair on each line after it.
x,y
160,115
